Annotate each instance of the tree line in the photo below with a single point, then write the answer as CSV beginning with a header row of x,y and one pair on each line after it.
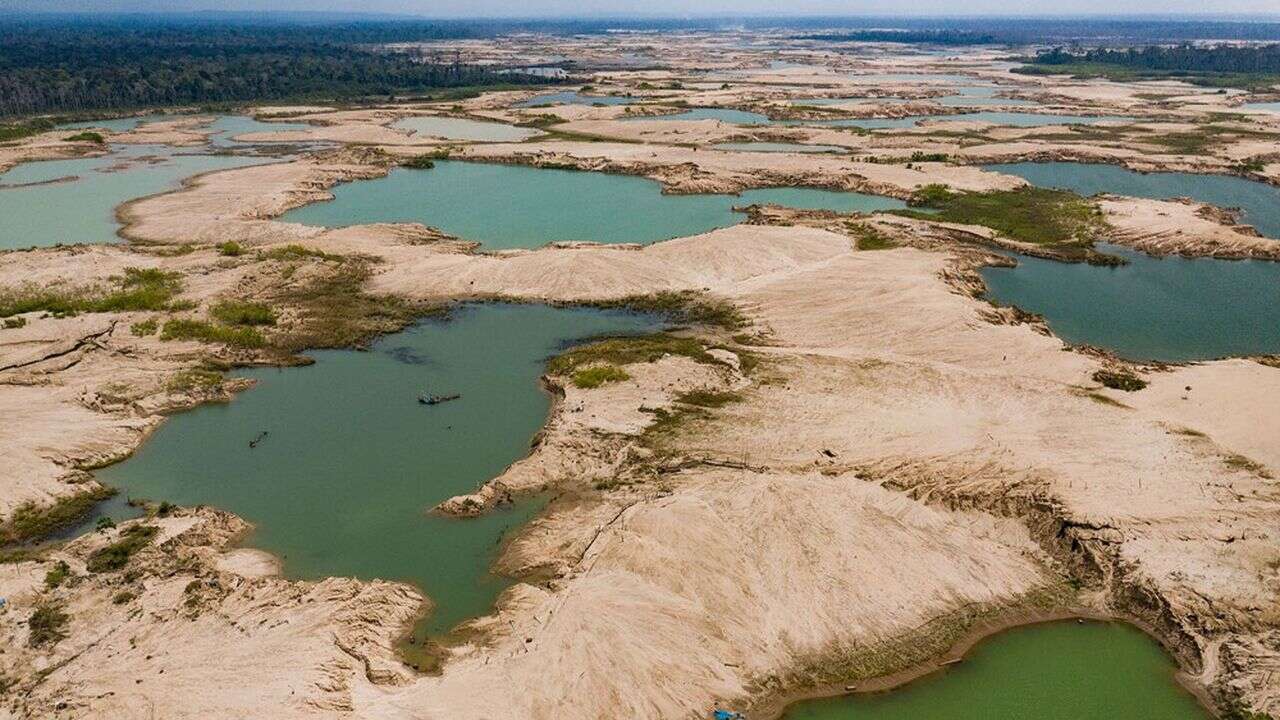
x,y
97,66
1186,58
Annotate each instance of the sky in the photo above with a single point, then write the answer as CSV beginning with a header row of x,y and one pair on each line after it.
x,y
579,8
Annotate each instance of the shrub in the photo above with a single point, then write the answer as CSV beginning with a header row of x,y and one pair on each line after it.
x,y
92,137
230,248
116,555
1119,380
47,624
594,377
56,574
194,379
236,312
144,328
298,252
123,597
199,330
14,323
104,523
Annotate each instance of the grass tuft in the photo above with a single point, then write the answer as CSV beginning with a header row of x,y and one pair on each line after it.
x,y
116,555
187,329
230,248
238,312
47,625
138,289
627,350
1119,380
31,522
594,377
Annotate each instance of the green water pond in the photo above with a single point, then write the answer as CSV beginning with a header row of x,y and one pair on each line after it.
x,y
351,462
1053,671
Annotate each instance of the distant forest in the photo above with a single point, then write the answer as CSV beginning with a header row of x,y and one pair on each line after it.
x,y
1219,65
74,67
940,37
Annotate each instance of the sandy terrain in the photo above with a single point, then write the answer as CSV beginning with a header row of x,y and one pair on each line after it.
x,y
902,456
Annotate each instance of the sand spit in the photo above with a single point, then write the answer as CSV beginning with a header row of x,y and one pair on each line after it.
x,y
895,454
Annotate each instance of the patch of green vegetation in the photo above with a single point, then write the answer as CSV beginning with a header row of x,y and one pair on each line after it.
x,y
18,131
1040,216
116,555
189,329
239,312
709,398
144,328
594,377
47,625
31,522
123,597
1119,380
104,523
422,162
19,555
194,379
230,248
333,310
57,574
869,238
628,350
137,289
294,251
686,306
86,136
14,323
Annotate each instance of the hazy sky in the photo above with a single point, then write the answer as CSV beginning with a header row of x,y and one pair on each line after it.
x,y
527,8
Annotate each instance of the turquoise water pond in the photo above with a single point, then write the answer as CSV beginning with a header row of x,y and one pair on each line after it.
x,y
510,206
76,202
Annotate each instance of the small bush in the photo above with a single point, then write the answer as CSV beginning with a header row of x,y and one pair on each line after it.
x,y
683,307
116,555
14,323
236,312
139,289
1119,380
199,330
104,523
194,379
594,377
230,248
56,574
144,328
422,162
92,137
124,596
47,624
299,252
709,398
624,351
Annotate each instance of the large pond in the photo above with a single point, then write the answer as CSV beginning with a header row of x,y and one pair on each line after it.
x,y
1172,309
1259,202
574,98
74,201
1057,671
342,482
449,128
778,147
1012,119
510,206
